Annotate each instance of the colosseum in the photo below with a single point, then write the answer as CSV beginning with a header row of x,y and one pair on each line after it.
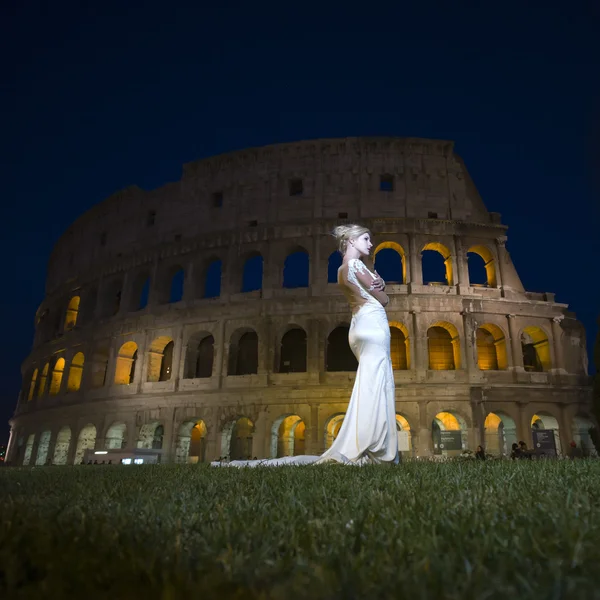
x,y
202,320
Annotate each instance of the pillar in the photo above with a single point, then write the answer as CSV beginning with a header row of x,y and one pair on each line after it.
x,y
524,425
501,272
462,268
414,257
314,442
468,348
424,442
515,344
419,343
189,282
559,358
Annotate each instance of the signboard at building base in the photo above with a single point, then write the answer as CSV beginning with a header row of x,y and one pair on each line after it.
x,y
544,441
450,440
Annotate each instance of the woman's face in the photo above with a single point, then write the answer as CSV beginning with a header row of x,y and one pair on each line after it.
x,y
363,244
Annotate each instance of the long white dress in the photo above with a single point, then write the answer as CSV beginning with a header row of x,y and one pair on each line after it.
x,y
368,432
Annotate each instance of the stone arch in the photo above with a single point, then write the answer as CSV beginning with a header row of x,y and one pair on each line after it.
x,y
42,450
61,447
252,272
499,433
160,359
535,346
288,436
448,420
41,390
296,269
72,313
339,356
489,264
236,439
116,436
332,428
111,297
580,429
447,260
443,345
334,262
126,363
75,373
191,442
404,435
399,346
28,449
57,375
545,420
32,384
140,291
208,284
99,364
199,357
243,352
392,262
292,352
86,440
491,348
151,436
177,284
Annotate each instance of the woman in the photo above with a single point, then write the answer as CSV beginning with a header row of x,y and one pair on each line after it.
x,y
480,454
368,432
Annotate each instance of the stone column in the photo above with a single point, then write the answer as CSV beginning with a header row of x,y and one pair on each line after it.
x,y
424,441
178,354
189,283
462,268
468,348
500,271
125,304
51,447
414,257
419,344
155,283
558,347
34,449
169,434
132,433
72,444
220,354
312,350
315,443
515,344
524,425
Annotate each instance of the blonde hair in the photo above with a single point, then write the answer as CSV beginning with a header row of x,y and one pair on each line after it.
x,y
344,233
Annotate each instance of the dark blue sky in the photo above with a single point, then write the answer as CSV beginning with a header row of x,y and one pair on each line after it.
x,y
99,96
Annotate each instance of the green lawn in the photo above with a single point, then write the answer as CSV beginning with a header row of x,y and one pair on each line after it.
x,y
499,529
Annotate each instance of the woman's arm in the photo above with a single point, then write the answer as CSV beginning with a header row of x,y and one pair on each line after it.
x,y
366,280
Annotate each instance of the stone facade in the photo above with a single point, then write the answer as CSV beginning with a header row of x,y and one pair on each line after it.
x,y
199,374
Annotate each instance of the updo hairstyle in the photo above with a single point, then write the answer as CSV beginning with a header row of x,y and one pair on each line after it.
x,y
344,233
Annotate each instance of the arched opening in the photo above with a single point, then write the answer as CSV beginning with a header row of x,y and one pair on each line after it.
x,y
126,363
111,301
334,262
332,428
449,433
581,426
437,265
88,305
28,449
140,292
482,267
292,356
236,439
32,384
99,365
404,435
75,373
339,356
72,312
191,442
160,359
85,441
390,262
252,274
42,450
443,345
491,348
200,356
243,353
399,346
499,433
536,349
296,269
288,437
177,284
546,421
61,448
116,436
43,381
57,375
211,287
151,436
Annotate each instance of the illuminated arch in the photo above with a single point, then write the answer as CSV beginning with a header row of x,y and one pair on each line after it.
x,y
160,359
545,420
488,262
399,346
243,352
42,450
446,255
57,375
236,438
32,383
191,442
72,312
287,436
332,428
491,348
536,349
75,372
151,436
86,440
43,381
116,436
448,421
61,448
499,432
126,363
396,248
443,344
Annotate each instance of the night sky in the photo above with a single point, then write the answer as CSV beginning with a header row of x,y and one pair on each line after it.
x,y
96,97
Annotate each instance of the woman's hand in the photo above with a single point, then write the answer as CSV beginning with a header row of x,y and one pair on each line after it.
x,y
378,283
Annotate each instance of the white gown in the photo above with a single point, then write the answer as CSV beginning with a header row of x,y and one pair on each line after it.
x,y
368,432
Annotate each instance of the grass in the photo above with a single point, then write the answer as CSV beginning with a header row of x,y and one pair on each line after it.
x,y
464,530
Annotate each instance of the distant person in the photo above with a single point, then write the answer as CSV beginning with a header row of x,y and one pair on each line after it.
x,y
516,452
525,453
480,454
574,451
